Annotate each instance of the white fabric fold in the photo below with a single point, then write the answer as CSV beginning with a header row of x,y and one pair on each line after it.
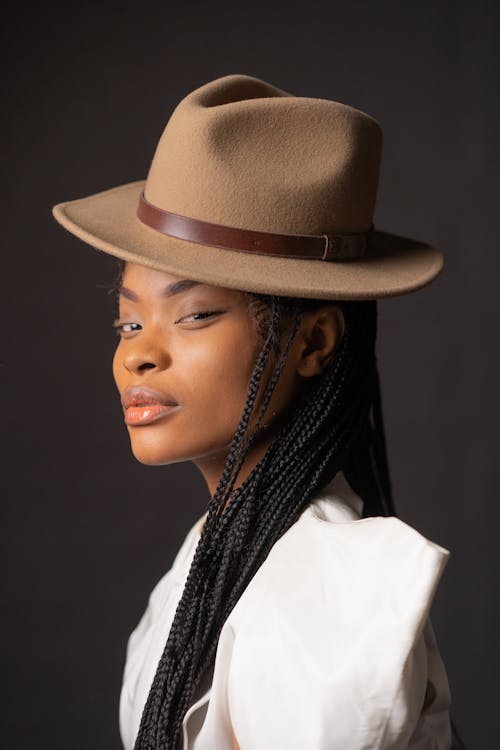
x,y
330,646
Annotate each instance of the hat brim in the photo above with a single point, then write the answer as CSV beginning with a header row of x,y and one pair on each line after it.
x,y
107,221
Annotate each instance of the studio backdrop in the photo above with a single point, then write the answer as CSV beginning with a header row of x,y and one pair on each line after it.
x,y
87,529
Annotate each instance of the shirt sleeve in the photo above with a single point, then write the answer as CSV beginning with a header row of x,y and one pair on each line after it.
x,y
335,652
433,730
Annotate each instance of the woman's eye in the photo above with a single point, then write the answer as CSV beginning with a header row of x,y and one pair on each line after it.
x,y
200,315
123,327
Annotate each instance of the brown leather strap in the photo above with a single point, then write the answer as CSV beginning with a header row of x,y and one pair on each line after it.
x,y
310,246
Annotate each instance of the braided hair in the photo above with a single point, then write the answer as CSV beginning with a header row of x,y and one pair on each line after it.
x,y
334,425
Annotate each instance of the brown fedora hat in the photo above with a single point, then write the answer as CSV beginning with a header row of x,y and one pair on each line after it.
x,y
253,188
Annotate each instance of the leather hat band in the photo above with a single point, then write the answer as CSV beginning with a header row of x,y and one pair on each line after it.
x,y
310,246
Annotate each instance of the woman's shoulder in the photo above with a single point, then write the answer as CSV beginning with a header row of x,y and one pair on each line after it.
x,y
331,630
357,565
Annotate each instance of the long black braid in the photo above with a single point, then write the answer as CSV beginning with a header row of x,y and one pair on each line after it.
x,y
335,425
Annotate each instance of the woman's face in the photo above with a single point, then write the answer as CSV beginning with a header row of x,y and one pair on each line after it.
x,y
196,345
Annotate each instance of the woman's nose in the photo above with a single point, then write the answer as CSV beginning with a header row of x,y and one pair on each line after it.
x,y
144,355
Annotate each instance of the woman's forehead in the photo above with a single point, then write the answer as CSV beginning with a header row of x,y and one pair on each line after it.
x,y
136,277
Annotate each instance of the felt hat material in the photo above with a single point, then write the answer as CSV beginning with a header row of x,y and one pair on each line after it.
x,y
241,153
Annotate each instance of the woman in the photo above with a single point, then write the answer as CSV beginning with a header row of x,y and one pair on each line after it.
x,y
296,612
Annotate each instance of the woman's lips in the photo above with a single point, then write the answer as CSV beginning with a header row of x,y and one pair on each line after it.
x,y
147,413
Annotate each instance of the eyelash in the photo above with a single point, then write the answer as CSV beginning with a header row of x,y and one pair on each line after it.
x,y
119,326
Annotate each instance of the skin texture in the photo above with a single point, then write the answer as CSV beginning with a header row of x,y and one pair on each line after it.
x,y
205,364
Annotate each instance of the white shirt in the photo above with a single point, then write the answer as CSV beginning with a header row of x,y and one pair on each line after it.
x,y
330,646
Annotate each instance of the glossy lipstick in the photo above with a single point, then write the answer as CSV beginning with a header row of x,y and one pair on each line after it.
x,y
147,413
143,405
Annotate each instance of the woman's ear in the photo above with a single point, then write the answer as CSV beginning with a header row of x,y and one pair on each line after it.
x,y
320,335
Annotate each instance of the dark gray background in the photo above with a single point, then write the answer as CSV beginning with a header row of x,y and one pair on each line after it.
x,y
87,529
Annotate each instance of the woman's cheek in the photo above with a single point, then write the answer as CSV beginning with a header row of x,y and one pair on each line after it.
x,y
217,402
222,366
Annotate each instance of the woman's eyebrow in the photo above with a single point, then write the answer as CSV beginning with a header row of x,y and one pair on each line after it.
x,y
175,287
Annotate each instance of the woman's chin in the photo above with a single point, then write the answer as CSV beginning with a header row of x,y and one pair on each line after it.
x,y
157,460
154,455
157,450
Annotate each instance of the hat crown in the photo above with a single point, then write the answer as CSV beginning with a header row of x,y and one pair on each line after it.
x,y
241,152
241,172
